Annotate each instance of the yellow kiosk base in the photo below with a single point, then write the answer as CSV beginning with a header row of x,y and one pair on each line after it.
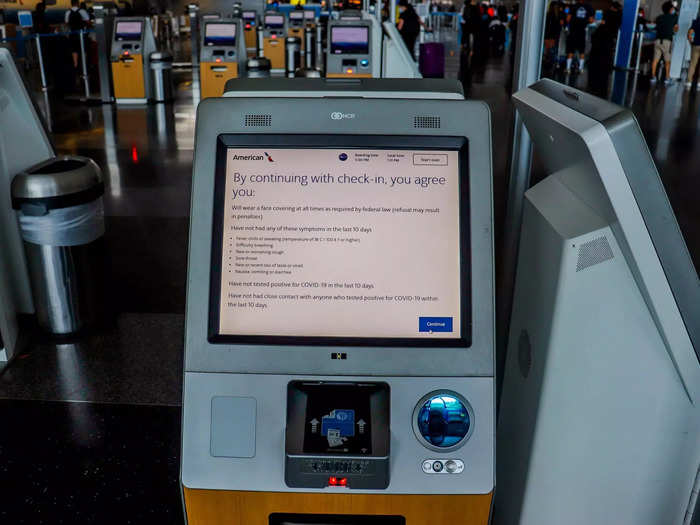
x,y
221,507
273,50
251,38
127,77
214,75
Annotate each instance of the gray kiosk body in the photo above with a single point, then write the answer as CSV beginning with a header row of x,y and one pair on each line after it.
x,y
354,48
23,143
599,418
443,89
132,45
326,349
223,42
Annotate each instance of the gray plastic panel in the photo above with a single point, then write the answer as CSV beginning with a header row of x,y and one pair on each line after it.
x,y
233,427
370,117
265,472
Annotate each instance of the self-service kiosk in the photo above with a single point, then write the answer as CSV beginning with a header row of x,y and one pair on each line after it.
x,y
353,48
599,418
132,44
339,363
23,143
250,30
295,24
222,55
274,33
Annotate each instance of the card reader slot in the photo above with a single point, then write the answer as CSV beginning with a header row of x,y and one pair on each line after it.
x,y
219,69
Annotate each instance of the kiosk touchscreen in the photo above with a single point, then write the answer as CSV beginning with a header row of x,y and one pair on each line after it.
x,y
222,55
349,50
274,33
250,30
23,143
339,363
132,44
600,415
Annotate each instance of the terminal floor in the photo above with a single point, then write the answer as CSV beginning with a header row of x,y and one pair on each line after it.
x,y
90,428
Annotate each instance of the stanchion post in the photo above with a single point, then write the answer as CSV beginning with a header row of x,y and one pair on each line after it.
x,y
193,11
44,86
83,59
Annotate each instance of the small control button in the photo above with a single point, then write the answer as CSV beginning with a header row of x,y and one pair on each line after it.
x,y
427,466
451,466
437,466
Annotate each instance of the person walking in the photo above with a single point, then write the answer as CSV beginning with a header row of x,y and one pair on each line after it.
x,y
666,27
694,39
552,33
409,25
76,19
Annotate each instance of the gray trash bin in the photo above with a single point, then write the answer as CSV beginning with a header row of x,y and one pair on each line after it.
x,y
61,219
162,75
258,67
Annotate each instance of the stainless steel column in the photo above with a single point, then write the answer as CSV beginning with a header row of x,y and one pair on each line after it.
x,y
103,23
528,60
193,11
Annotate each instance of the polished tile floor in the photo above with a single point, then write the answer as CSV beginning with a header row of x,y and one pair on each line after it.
x,y
91,427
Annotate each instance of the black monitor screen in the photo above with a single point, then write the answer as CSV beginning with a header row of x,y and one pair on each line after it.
x,y
128,31
248,15
350,40
220,35
274,21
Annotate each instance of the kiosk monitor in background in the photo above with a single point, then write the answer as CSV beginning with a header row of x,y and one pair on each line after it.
x,y
249,16
25,19
343,265
220,35
349,40
309,14
274,21
128,31
296,15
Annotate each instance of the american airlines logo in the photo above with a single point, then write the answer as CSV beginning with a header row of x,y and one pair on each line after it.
x,y
337,115
247,157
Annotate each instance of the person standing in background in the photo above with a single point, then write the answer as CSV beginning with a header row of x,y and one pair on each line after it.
x,y
666,27
579,18
409,25
552,33
76,19
694,39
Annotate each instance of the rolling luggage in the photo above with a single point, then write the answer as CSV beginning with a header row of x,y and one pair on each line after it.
x,y
432,60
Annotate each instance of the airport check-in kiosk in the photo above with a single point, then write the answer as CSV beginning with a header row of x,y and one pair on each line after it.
x,y
222,55
250,30
23,143
350,51
132,44
295,24
397,61
274,33
339,363
600,416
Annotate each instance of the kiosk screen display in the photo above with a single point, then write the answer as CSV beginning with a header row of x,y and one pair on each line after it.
x,y
274,21
309,15
342,242
128,31
249,16
220,35
296,15
349,40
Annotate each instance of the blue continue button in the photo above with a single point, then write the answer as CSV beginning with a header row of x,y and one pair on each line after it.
x,y
434,324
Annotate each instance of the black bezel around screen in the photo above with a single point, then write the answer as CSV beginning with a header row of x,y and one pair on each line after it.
x,y
367,142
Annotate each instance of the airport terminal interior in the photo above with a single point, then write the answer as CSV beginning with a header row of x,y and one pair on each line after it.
x,y
350,262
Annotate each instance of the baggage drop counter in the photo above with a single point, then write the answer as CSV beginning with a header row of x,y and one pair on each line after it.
x,y
339,363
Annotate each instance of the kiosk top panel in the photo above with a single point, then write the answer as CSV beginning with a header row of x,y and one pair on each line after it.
x,y
639,206
268,291
128,30
342,87
349,40
274,21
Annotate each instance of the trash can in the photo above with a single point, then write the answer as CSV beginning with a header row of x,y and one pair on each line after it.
x,y
61,220
162,75
258,67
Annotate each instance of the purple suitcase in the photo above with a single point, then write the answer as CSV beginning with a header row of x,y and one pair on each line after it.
x,y
431,61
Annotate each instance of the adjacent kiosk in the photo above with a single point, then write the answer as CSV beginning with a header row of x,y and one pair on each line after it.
x,y
132,44
353,48
250,30
339,355
23,143
295,24
274,33
600,410
222,55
